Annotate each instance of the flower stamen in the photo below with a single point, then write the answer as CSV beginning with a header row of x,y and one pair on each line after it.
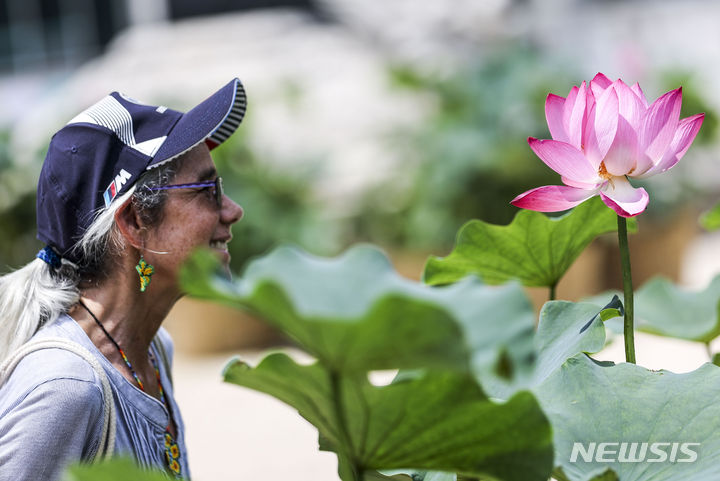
x,y
602,172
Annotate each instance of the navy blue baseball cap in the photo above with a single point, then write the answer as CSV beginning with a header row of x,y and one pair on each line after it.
x,y
103,151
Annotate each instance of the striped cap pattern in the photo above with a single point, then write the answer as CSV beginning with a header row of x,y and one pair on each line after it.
x,y
110,114
233,118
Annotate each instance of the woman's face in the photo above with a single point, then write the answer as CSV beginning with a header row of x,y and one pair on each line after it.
x,y
191,218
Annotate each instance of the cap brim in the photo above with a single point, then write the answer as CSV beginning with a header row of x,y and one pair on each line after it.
x,y
213,120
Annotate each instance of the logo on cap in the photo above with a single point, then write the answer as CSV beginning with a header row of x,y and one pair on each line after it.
x,y
115,186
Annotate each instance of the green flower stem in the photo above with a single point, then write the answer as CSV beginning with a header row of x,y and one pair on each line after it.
x,y
351,471
628,329
552,292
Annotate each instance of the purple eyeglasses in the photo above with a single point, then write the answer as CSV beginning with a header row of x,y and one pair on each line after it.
x,y
217,184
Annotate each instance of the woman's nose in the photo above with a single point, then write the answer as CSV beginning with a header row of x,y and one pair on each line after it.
x,y
230,212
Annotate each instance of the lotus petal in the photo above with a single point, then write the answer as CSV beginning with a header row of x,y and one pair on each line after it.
x,y
684,136
552,198
659,125
574,115
554,107
630,106
581,185
599,84
565,159
641,95
643,164
602,127
621,158
623,198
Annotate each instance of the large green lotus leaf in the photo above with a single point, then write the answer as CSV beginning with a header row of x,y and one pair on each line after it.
x,y
355,313
607,475
426,419
383,476
422,475
438,476
499,330
117,469
600,402
533,248
564,330
665,309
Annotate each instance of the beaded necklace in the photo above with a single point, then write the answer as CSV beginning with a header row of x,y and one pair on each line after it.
x,y
172,451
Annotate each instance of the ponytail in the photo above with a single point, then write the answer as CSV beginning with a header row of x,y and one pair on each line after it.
x,y
30,298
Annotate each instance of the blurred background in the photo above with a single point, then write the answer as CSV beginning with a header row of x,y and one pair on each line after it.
x,y
392,122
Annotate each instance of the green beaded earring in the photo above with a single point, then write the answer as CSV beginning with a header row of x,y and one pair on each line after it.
x,y
145,271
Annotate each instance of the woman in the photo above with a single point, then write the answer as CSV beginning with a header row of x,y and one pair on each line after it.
x,y
126,193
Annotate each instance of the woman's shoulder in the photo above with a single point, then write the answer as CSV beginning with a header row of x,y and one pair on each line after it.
x,y
49,390
56,373
51,394
54,363
52,367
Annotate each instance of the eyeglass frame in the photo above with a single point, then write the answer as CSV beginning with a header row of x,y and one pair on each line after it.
x,y
217,183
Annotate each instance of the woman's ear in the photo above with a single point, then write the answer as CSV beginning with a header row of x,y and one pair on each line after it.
x,y
130,224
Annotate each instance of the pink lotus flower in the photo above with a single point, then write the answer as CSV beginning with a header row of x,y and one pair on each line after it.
x,y
601,135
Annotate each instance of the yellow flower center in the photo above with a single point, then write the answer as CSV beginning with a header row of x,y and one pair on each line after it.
x,y
602,172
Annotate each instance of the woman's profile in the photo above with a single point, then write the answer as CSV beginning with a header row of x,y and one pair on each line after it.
x,y
127,191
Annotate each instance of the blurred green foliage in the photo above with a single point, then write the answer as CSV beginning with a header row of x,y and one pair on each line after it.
x,y
710,219
17,224
278,203
17,209
692,103
471,155
686,184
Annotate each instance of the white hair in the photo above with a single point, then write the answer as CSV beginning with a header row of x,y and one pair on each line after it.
x,y
30,297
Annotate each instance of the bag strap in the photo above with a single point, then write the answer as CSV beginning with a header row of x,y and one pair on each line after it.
x,y
107,439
